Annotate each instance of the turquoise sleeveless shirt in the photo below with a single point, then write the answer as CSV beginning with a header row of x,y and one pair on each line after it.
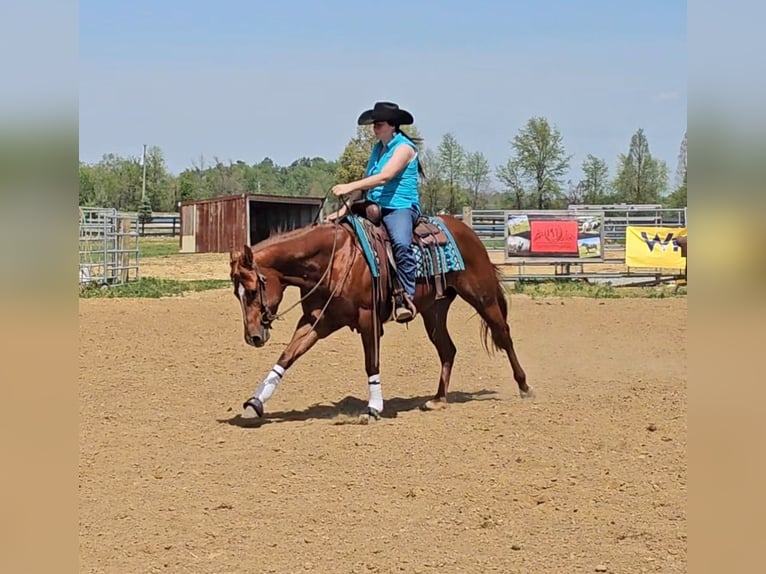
x,y
401,191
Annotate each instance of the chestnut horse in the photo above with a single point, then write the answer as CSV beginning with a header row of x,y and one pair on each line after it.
x,y
326,263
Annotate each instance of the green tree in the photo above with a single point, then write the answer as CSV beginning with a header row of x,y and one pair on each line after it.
x,y
476,175
542,159
595,187
678,197
87,185
353,160
681,167
144,213
510,175
263,177
451,168
433,190
158,181
640,177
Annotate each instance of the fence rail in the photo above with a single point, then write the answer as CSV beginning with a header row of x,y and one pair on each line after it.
x,y
109,243
161,225
490,226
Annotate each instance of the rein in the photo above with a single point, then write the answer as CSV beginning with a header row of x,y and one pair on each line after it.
x,y
268,317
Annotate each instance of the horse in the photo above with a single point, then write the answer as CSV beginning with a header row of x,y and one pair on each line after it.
x,y
338,288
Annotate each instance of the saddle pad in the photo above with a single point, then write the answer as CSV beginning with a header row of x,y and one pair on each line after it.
x,y
364,241
448,257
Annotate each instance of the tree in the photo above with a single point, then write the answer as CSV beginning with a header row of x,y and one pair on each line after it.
x,y
158,181
574,194
353,159
542,159
476,175
352,163
510,176
678,197
451,167
640,177
681,168
595,186
144,213
87,185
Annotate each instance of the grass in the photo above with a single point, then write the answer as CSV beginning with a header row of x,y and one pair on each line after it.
x,y
539,290
493,243
153,288
157,247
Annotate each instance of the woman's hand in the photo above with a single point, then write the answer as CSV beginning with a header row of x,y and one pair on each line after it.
x,y
337,215
342,189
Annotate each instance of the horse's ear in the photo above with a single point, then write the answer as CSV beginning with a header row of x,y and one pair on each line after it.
x,y
248,257
234,256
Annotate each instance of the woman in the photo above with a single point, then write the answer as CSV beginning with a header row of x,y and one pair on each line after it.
x,y
391,181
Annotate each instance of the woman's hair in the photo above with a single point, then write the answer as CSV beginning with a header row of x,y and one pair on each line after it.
x,y
416,141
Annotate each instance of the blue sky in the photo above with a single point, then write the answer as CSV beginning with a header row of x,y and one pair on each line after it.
x,y
244,80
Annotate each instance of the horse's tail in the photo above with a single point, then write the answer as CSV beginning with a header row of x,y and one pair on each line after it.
x,y
502,302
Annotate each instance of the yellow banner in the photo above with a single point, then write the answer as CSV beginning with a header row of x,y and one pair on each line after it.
x,y
654,247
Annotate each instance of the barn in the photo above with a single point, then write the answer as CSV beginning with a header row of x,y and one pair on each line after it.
x,y
218,224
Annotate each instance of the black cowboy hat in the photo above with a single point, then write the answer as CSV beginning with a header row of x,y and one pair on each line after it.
x,y
386,112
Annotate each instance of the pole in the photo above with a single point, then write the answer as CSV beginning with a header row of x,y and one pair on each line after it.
x,y
143,183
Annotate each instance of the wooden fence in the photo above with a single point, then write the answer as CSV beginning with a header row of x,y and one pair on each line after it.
x,y
161,225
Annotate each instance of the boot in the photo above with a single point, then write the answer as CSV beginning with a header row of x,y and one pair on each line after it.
x,y
405,310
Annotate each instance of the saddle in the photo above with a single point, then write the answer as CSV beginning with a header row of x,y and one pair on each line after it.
x,y
427,236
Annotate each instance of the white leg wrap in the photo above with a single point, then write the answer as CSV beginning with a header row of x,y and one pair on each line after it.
x,y
376,394
269,384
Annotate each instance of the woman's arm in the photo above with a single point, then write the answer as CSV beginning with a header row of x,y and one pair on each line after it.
x,y
399,160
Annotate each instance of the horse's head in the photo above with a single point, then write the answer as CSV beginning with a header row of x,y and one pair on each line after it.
x,y
258,291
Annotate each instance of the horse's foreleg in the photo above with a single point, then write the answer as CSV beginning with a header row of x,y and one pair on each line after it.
x,y
371,344
304,337
435,321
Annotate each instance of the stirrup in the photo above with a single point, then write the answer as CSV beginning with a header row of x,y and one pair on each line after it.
x,y
404,310
403,314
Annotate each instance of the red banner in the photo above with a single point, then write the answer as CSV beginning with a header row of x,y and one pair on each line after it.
x,y
553,236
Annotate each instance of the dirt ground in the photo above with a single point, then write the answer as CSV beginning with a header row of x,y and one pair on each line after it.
x,y
590,476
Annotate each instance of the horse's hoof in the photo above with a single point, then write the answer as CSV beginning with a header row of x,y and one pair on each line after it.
x,y
252,409
528,394
368,416
435,405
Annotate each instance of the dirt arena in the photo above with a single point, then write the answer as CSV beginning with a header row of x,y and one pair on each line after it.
x,y
591,476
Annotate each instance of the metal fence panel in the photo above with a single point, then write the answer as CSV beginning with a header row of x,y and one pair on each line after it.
x,y
108,247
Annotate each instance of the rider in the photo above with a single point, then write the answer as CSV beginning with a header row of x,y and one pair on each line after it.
x,y
391,180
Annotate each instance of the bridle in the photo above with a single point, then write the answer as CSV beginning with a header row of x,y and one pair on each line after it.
x,y
267,317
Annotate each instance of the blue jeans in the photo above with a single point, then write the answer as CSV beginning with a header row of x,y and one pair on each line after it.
x,y
400,223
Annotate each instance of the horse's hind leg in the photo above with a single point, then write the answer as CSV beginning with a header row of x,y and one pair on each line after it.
x,y
494,311
435,320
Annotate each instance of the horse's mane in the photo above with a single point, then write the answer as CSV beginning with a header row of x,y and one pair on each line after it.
x,y
280,236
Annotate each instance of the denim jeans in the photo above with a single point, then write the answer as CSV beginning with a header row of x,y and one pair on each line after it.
x,y
400,223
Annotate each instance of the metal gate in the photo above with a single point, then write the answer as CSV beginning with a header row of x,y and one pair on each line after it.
x,y
108,247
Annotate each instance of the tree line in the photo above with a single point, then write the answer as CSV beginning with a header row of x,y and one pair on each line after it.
x,y
533,177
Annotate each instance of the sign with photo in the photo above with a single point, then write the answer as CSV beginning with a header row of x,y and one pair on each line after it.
x,y
553,234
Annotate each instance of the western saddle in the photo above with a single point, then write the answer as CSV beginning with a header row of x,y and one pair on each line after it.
x,y
426,235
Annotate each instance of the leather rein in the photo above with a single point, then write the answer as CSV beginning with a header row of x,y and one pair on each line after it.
x,y
267,317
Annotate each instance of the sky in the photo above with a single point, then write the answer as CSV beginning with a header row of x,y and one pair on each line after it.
x,y
245,80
